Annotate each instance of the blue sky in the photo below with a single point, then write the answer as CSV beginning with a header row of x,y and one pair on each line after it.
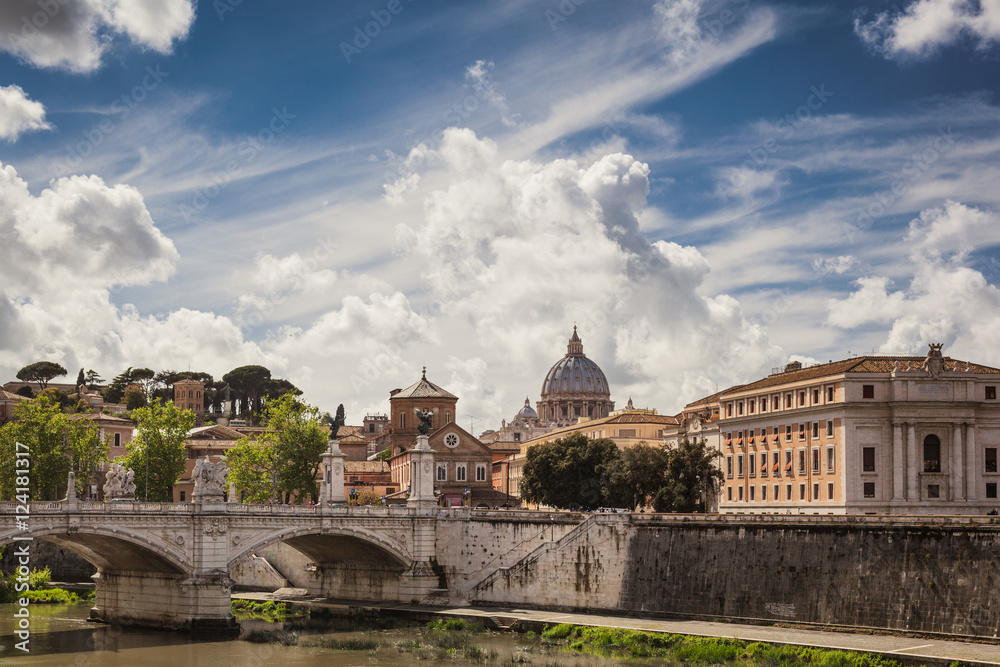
x,y
707,189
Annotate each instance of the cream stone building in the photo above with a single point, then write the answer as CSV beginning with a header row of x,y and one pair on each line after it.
x,y
867,435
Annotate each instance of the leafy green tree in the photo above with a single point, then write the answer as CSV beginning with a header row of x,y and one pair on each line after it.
x,y
157,450
55,443
57,396
249,383
253,468
134,397
637,475
93,378
569,472
81,378
285,458
26,391
365,498
276,388
116,390
41,372
145,378
692,478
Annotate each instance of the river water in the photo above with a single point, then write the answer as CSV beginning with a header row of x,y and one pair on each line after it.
x,y
61,635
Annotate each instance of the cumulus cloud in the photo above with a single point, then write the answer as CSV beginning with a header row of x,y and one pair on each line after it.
x,y
521,250
18,114
74,36
835,265
926,25
945,300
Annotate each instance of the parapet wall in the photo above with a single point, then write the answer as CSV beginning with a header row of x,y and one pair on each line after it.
x,y
918,574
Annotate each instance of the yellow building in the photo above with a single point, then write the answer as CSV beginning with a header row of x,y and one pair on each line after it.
x,y
867,435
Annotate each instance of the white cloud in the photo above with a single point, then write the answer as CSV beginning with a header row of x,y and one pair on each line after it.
x,y
18,114
926,25
521,250
944,301
836,265
74,36
480,75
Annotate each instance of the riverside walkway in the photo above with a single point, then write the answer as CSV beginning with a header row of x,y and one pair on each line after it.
x,y
910,650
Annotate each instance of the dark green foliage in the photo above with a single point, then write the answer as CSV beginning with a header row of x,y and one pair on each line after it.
x,y
569,472
81,379
249,383
134,398
26,391
637,475
161,430
116,390
691,476
41,372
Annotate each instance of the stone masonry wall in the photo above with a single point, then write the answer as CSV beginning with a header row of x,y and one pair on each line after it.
x,y
919,574
64,564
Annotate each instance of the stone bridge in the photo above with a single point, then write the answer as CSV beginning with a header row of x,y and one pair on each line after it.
x,y
168,564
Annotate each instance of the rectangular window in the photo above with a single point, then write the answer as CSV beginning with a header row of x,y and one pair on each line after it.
x,y
802,491
788,432
991,393
776,466
829,394
729,413
741,493
802,431
829,491
763,405
815,492
991,489
442,472
776,496
739,466
729,493
739,408
763,493
460,472
869,489
751,405
831,458
815,433
802,399
815,396
752,489
480,473
802,461
788,491
788,462
118,440
788,400
867,391
991,459
729,466
868,459
829,428
753,466
815,459
183,493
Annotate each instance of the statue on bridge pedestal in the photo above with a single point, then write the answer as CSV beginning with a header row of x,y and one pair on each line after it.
x,y
209,481
426,418
335,422
119,483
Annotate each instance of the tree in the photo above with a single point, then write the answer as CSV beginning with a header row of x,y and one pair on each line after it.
x,y
116,390
569,472
637,475
26,391
249,382
157,450
285,458
57,395
93,378
277,387
55,445
134,397
41,372
80,378
145,378
691,480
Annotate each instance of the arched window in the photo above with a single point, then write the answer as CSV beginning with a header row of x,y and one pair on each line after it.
x,y
932,454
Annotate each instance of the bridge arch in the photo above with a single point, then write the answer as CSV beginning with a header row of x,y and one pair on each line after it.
x,y
110,550
329,545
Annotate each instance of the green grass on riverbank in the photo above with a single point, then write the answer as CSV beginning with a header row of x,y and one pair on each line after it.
x,y
39,591
274,612
703,650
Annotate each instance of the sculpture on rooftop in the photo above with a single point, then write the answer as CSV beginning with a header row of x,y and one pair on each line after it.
x,y
934,362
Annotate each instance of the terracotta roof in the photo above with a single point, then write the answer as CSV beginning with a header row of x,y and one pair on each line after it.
x,y
214,432
352,439
424,388
708,400
100,416
8,396
867,364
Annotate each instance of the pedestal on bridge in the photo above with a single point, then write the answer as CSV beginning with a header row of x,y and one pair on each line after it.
x,y
422,475
332,490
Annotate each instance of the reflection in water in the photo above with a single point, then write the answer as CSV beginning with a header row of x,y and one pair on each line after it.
x,y
61,635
